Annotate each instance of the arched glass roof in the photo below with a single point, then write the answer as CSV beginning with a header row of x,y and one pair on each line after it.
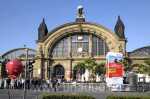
x,y
141,52
18,52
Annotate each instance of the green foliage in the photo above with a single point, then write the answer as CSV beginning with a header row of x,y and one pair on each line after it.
x,y
147,61
66,96
145,68
89,64
80,67
127,97
141,68
100,68
126,66
92,76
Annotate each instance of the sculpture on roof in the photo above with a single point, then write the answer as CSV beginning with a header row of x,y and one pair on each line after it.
x,y
80,13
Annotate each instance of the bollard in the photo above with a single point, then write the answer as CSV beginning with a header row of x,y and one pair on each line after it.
x,y
8,95
36,94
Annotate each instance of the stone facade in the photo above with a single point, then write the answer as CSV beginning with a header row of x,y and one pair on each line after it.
x,y
46,45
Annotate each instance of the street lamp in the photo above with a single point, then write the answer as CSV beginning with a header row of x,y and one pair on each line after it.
x,y
25,75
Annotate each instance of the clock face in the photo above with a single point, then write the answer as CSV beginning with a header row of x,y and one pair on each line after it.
x,y
80,38
79,49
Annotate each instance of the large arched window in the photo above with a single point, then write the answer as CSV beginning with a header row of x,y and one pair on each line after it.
x,y
80,43
61,48
99,47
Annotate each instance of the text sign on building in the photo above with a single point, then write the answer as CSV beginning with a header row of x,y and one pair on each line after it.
x,y
114,72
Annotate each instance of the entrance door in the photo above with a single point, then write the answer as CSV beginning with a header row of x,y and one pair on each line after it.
x,y
59,72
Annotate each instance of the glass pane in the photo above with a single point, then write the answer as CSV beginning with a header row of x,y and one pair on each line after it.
x,y
101,47
98,45
61,48
94,45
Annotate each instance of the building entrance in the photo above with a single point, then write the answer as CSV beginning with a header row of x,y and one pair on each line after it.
x,y
59,72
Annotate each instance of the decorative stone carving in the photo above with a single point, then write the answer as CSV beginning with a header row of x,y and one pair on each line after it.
x,y
121,49
79,54
40,50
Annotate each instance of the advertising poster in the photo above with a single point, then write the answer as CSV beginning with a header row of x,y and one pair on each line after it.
x,y
114,68
68,75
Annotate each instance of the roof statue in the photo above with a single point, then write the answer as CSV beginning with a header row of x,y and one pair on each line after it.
x,y
80,13
42,30
119,28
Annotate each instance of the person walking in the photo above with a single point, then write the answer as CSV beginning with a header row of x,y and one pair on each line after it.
x,y
54,82
19,83
31,83
8,83
5,84
12,83
1,83
22,83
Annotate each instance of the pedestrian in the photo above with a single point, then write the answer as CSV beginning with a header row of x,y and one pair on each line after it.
x,y
39,83
12,83
35,82
1,83
16,85
19,83
31,83
22,83
8,83
54,82
5,84
48,83
27,83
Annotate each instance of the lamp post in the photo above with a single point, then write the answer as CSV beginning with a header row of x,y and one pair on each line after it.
x,y
25,75
1,64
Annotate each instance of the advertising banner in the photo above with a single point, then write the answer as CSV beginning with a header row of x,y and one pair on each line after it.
x,y
114,68
68,75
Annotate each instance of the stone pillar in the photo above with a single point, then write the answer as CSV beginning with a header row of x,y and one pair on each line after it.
x,y
90,45
48,66
68,69
39,63
39,68
45,69
70,64
69,46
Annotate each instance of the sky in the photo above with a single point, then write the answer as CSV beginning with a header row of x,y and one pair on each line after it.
x,y
20,19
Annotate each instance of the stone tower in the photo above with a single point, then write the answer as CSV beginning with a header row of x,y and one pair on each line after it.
x,y
119,29
42,30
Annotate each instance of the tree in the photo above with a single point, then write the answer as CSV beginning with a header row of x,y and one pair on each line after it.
x,y
141,68
146,66
89,64
100,69
126,66
80,68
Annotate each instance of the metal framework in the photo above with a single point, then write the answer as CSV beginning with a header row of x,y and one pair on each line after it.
x,y
140,52
18,52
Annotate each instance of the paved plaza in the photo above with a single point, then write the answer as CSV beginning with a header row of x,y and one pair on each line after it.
x,y
64,89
